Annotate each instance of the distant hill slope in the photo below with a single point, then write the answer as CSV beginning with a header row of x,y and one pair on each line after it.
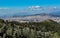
x,y
55,14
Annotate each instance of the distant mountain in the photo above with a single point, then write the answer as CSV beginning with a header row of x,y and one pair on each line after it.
x,y
30,11
55,14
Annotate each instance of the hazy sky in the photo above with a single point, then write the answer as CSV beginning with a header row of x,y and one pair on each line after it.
x,y
23,3
26,7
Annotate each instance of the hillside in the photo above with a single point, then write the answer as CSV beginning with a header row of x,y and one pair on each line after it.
x,y
45,29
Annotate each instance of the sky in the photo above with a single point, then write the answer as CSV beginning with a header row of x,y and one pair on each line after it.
x,y
25,7
25,3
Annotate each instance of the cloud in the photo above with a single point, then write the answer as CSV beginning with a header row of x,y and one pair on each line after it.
x,y
4,8
27,10
35,7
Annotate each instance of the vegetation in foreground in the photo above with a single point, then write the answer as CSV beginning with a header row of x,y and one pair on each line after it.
x,y
46,29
